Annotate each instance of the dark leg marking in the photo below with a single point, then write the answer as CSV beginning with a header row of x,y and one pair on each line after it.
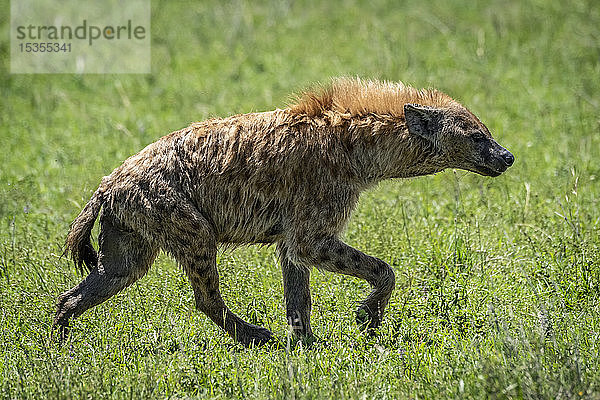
x,y
296,290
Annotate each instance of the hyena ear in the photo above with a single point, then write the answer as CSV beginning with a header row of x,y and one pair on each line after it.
x,y
422,120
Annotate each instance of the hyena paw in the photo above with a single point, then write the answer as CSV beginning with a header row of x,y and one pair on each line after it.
x,y
59,333
367,318
256,336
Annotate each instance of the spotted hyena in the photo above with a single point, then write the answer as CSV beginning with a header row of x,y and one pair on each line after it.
x,y
289,177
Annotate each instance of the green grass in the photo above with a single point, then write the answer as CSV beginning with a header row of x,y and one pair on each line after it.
x,y
498,280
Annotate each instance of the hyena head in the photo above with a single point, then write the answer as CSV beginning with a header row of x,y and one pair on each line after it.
x,y
460,139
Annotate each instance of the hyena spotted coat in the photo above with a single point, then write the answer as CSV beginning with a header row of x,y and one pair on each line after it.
x,y
290,177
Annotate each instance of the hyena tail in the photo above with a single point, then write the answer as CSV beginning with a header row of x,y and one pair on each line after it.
x,y
78,243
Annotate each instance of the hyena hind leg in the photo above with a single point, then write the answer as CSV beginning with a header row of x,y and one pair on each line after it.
x,y
204,278
123,258
190,239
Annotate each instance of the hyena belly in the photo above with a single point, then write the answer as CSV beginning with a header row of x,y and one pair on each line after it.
x,y
242,215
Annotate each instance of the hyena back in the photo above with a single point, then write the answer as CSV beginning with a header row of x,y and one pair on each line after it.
x,y
288,177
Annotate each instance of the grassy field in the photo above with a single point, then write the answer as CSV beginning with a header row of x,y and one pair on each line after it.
x,y
498,280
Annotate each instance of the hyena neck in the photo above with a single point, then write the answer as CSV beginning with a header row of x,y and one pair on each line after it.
x,y
386,151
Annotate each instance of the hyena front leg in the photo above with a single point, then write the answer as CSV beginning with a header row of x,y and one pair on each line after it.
x,y
334,255
296,290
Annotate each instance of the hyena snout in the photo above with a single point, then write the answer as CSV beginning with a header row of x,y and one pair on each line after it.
x,y
501,158
493,160
507,157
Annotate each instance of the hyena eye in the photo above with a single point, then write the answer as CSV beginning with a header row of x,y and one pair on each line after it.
x,y
478,137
